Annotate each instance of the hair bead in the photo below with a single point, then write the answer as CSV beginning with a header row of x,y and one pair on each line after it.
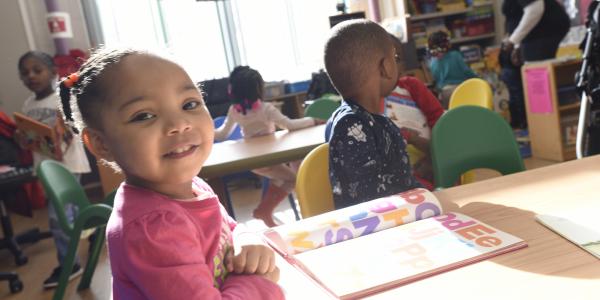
x,y
71,80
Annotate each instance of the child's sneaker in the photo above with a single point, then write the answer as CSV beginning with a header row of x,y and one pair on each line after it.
x,y
52,281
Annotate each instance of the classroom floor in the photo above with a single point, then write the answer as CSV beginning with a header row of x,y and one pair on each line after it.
x,y
42,255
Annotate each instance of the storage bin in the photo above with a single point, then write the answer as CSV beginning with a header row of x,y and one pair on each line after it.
x,y
296,87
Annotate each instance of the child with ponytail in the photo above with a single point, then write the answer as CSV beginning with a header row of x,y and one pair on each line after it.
x,y
168,236
255,117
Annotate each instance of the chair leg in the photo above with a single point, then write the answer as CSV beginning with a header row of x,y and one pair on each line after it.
x,y
67,265
293,205
92,261
228,199
265,186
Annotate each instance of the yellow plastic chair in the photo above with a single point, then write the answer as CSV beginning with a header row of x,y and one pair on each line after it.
x,y
474,91
313,189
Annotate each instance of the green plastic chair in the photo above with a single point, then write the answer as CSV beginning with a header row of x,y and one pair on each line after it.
x,y
472,137
62,188
321,108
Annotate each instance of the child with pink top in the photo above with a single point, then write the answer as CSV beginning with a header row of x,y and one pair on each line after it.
x,y
255,117
168,236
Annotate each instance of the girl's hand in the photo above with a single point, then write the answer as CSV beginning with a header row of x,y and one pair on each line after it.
x,y
251,256
273,276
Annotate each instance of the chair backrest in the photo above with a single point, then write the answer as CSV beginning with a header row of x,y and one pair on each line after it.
x,y
235,135
313,189
472,137
61,189
474,91
321,108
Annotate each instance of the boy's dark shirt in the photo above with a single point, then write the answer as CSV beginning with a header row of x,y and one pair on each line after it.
x,y
367,156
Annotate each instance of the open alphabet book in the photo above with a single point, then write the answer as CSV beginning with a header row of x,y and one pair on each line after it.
x,y
387,242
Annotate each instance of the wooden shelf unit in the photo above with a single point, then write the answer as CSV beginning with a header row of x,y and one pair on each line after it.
x,y
446,16
419,17
465,39
547,130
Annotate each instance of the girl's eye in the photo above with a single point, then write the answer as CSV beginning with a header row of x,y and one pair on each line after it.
x,y
191,105
141,117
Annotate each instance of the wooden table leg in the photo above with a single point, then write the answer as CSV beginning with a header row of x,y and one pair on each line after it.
x,y
218,186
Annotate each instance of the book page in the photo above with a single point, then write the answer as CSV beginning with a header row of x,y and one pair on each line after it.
x,y
402,110
399,255
581,227
39,137
354,221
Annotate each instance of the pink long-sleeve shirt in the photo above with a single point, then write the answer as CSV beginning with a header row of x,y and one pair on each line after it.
x,y
163,248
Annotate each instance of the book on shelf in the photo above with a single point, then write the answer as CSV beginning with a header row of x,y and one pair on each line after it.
x,y
568,124
384,243
39,137
581,227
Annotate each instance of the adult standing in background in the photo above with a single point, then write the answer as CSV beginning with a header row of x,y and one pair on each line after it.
x,y
534,30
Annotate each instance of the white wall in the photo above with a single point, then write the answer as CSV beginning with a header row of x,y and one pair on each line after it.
x,y
24,28
14,43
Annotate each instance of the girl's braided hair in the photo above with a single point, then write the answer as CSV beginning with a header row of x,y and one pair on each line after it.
x,y
83,93
246,87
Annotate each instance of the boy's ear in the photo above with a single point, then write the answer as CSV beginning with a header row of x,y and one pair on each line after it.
x,y
95,141
386,68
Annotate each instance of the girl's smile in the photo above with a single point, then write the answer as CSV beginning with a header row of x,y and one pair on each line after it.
x,y
181,152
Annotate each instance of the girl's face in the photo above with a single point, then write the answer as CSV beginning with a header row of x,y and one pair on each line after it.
x,y
154,125
37,76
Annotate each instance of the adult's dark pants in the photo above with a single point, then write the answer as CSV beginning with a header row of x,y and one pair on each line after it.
x,y
511,76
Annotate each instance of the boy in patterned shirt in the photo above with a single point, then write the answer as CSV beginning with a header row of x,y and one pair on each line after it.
x,y
367,153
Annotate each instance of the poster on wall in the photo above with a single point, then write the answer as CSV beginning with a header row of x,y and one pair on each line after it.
x,y
59,24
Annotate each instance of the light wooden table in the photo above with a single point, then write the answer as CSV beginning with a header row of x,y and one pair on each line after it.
x,y
550,268
240,155
246,154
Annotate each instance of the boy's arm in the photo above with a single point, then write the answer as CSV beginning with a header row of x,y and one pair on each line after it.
x,y
356,167
353,148
170,264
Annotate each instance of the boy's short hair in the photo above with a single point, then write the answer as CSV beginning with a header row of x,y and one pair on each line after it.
x,y
351,53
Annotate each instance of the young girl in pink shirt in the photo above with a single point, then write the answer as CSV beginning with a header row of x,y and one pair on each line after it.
x,y
255,117
168,236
